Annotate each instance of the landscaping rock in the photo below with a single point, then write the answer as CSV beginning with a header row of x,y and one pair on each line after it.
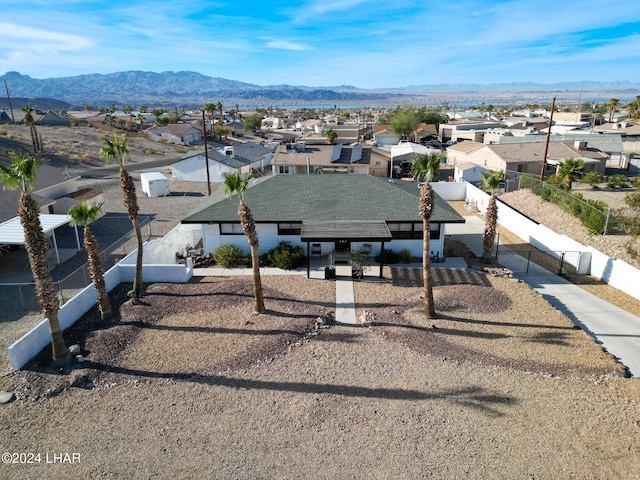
x,y
6,397
74,349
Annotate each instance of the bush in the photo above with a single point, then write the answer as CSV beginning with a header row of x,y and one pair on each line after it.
x,y
284,256
228,255
635,181
405,256
387,256
617,181
593,179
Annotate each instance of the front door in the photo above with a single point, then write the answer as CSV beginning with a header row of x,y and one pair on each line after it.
x,y
343,245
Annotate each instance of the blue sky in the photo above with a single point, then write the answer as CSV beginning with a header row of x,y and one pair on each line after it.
x,y
368,44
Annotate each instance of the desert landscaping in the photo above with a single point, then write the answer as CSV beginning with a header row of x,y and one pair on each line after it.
x,y
191,384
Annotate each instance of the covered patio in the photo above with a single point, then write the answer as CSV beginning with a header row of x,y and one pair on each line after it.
x,y
344,231
12,233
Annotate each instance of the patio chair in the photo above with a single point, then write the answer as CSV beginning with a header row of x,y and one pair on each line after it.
x,y
366,250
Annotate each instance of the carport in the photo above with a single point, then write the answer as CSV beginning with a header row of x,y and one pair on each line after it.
x,y
12,233
352,231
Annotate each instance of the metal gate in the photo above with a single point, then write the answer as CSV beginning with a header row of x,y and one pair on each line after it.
x,y
537,262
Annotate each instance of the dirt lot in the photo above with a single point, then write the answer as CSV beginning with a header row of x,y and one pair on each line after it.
x,y
192,384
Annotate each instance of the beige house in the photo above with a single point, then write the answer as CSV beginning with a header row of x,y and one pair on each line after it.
x,y
300,158
518,158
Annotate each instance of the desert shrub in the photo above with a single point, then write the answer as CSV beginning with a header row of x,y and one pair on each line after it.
x,y
617,181
227,255
4,133
405,256
635,181
593,179
387,256
284,256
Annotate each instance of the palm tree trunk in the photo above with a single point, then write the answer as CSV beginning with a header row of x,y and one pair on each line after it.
x,y
138,286
429,308
491,219
257,281
131,202
249,227
35,244
97,275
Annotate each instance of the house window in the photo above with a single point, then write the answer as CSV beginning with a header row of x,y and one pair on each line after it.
x,y
292,228
231,229
377,164
400,230
405,231
434,232
521,168
283,169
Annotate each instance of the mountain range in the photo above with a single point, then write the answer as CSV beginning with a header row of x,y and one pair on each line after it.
x,y
192,89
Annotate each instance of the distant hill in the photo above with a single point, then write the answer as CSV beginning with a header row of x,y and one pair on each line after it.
x,y
191,89
41,103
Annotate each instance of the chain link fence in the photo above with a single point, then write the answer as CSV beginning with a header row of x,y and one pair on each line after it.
x,y
19,299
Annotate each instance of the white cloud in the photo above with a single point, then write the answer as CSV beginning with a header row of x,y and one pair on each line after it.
x,y
285,44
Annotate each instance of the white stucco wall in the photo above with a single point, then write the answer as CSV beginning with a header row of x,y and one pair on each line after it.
x,y
194,169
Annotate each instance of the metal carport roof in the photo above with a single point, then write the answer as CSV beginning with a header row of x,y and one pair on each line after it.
x,y
12,233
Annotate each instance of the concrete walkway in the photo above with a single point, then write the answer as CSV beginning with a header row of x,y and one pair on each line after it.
x,y
617,330
345,298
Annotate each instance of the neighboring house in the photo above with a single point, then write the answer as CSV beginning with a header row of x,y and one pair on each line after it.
x,y
52,119
5,117
468,172
383,135
300,158
466,130
245,158
518,158
60,197
402,155
426,132
312,125
236,129
337,211
175,133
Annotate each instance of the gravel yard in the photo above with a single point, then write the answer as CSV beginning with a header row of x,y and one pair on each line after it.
x,y
210,390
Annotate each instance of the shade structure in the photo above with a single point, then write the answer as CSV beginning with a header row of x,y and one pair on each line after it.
x,y
12,233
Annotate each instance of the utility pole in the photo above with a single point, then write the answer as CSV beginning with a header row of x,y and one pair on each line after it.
x,y
206,152
13,120
546,146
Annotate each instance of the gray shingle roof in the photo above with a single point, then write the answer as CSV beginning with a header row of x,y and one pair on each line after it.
x,y
288,198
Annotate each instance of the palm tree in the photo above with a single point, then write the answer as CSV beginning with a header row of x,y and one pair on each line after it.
x,y
219,106
612,108
570,170
331,135
21,174
116,151
29,120
426,209
490,181
85,214
236,183
425,167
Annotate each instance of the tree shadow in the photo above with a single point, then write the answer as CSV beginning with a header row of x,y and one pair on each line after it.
x,y
473,397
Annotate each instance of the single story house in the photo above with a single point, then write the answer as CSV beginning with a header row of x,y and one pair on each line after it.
x,y
383,134
175,133
245,158
526,157
300,158
330,212
468,172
